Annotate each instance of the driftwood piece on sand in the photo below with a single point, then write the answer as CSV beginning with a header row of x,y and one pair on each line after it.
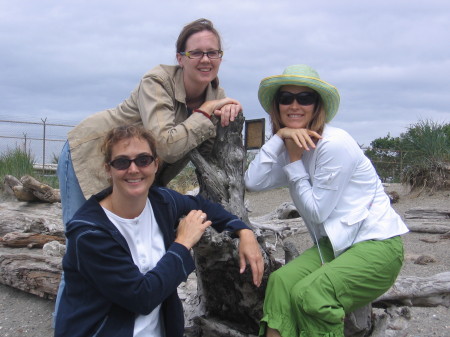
x,y
419,291
30,189
430,214
428,220
36,274
42,191
421,227
30,240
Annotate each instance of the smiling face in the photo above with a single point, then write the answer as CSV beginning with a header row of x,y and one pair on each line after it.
x,y
133,182
200,72
294,115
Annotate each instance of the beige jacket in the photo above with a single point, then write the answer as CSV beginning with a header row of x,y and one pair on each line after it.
x,y
159,104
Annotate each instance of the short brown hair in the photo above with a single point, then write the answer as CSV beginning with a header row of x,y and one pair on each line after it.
x,y
190,29
125,132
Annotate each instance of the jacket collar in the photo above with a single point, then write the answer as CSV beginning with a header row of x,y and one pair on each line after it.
x,y
91,214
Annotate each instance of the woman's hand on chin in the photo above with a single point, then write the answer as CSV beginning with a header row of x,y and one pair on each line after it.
x,y
301,137
297,141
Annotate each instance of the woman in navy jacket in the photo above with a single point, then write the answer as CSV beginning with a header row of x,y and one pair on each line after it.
x,y
128,250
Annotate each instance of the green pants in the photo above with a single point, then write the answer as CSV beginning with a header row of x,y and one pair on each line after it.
x,y
304,298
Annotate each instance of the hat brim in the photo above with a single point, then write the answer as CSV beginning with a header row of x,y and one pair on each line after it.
x,y
269,86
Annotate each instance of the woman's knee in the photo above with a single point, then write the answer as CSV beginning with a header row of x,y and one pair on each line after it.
x,y
318,299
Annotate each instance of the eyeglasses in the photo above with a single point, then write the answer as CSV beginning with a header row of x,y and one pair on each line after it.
x,y
303,98
124,163
198,54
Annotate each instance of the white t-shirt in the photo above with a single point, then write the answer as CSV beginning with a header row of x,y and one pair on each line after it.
x,y
147,247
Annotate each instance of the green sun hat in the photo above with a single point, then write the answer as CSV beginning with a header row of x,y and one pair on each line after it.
x,y
301,75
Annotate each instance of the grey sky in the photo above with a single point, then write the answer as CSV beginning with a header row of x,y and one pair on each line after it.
x,y
64,60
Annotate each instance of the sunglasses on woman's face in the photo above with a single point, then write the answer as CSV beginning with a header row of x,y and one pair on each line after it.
x,y
124,163
303,98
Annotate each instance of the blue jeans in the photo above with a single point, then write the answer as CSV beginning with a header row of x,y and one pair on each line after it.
x,y
72,199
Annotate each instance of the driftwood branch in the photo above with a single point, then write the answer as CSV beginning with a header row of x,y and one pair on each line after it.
x,y
30,240
419,291
428,220
428,228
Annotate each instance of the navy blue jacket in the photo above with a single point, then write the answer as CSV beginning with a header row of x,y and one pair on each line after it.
x,y
105,290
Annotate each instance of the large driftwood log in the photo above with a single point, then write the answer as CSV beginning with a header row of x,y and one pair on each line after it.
x,y
19,216
36,274
419,291
221,174
226,295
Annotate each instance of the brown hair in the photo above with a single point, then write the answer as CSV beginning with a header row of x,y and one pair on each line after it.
x,y
196,27
317,122
125,132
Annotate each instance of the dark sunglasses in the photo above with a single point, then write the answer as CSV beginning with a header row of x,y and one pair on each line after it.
x,y
303,98
124,163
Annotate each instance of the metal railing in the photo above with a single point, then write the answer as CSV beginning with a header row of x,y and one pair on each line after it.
x,y
42,140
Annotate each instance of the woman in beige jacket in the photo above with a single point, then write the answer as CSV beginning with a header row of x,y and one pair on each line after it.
x,y
179,105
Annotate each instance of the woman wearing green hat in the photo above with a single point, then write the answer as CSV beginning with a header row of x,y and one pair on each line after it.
x,y
357,252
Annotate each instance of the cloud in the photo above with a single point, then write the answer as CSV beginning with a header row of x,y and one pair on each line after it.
x,y
65,60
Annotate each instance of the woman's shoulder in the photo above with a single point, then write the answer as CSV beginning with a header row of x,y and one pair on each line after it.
x,y
337,135
336,140
162,71
163,194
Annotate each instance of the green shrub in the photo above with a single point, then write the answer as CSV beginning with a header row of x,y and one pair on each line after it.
x,y
19,163
427,146
16,163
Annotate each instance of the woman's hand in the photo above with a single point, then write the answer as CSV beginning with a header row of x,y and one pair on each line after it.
x,y
191,228
298,140
250,252
228,113
226,108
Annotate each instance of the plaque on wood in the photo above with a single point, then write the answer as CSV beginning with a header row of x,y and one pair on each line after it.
x,y
254,133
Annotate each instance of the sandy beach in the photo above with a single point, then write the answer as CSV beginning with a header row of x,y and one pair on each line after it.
x,y
26,315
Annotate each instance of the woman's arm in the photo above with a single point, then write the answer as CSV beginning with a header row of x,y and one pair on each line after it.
x,y
266,170
175,131
249,249
316,197
167,119
111,270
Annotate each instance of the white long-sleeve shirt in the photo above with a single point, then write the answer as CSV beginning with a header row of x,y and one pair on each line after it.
x,y
334,187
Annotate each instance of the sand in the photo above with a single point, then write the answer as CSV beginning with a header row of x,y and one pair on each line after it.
x,y
26,315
